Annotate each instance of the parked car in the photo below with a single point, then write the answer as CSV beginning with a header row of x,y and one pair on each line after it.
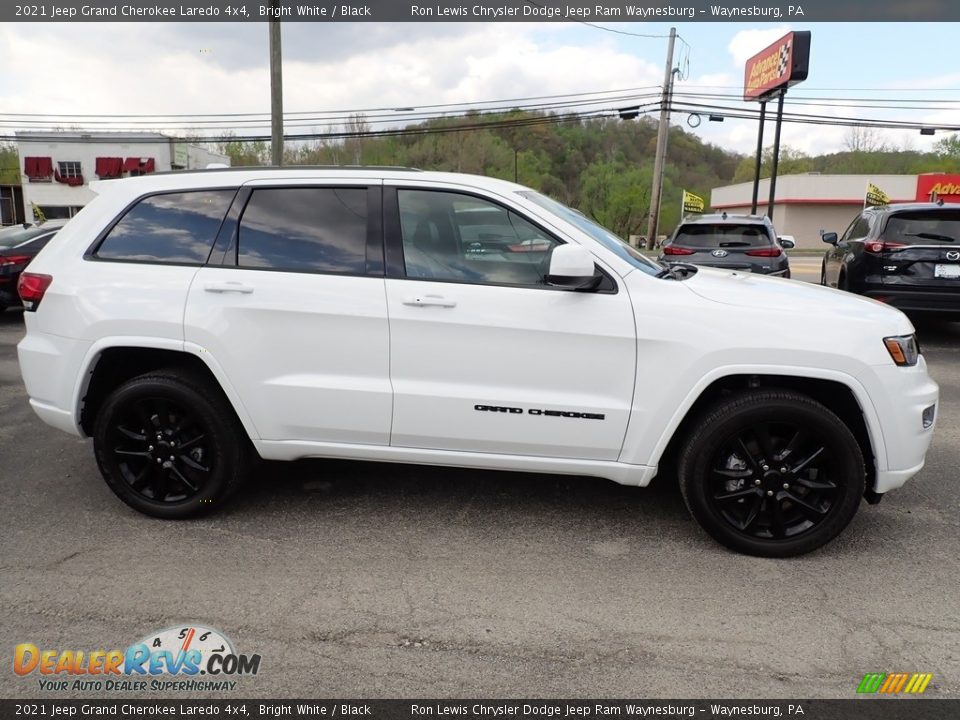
x,y
18,246
186,321
731,242
906,255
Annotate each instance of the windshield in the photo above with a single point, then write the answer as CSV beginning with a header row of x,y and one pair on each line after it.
x,y
924,227
721,235
596,231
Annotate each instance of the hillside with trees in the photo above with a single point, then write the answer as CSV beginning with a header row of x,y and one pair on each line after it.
x,y
601,166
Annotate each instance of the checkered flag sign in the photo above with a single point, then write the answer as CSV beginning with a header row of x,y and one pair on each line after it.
x,y
692,203
784,63
875,196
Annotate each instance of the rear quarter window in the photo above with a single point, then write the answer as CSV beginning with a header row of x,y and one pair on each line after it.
x,y
177,228
722,235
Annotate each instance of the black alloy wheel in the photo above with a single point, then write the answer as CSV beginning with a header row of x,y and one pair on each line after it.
x,y
772,473
169,445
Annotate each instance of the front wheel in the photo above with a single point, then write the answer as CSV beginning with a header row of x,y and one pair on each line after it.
x,y
771,473
169,445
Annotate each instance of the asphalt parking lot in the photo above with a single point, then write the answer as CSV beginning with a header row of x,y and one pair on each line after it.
x,y
361,580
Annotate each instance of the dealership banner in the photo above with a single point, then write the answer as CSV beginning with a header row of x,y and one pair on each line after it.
x,y
261,709
692,203
672,11
875,196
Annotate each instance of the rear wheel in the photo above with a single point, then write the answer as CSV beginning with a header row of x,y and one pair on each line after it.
x,y
169,445
823,274
771,473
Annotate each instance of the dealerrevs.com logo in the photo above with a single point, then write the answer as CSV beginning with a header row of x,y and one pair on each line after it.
x,y
186,657
894,683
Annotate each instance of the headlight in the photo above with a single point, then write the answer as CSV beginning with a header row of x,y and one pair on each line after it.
x,y
903,349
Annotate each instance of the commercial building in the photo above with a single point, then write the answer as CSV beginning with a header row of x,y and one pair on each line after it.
x,y
57,168
811,202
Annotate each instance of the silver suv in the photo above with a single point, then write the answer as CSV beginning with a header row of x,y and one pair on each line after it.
x,y
731,242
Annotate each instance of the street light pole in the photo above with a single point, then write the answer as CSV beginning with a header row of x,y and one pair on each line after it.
x,y
653,218
276,92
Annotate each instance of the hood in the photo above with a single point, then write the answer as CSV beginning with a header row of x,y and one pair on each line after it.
x,y
792,296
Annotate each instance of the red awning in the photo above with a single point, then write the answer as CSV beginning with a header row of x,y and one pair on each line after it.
x,y
71,181
109,167
141,165
37,167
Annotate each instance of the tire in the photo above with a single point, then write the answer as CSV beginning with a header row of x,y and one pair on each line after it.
x,y
823,274
741,454
169,445
842,282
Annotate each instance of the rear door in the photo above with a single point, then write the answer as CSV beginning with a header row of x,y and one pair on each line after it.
x,y
922,249
292,307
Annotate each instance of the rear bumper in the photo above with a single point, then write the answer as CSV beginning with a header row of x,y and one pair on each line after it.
x,y
940,302
8,295
50,365
774,271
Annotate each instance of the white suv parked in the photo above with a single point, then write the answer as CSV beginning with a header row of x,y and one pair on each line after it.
x,y
186,320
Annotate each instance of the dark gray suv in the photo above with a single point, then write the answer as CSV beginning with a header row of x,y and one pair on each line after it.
x,y
730,242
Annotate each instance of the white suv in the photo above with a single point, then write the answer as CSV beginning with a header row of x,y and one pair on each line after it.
x,y
187,320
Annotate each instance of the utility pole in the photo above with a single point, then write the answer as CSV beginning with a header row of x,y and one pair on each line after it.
x,y
276,91
654,216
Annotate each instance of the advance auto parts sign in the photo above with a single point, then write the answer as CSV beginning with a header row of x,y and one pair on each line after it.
x,y
781,65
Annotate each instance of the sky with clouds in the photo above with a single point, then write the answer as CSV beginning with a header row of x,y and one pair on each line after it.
x,y
904,71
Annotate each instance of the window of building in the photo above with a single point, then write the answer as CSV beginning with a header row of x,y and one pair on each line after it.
x,y
38,169
171,228
449,236
305,230
68,172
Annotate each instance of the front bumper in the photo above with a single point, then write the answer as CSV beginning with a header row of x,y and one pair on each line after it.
x,y
900,400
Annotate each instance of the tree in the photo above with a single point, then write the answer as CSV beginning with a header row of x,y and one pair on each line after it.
x,y
9,165
617,196
791,162
948,146
865,139
243,152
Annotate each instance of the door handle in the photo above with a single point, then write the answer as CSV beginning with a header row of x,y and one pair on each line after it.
x,y
430,300
228,287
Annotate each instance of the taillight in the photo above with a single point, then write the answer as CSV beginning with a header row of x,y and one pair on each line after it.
x,y
878,247
14,259
670,250
32,287
766,252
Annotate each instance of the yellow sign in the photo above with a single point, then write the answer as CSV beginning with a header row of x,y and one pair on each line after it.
x,y
692,203
875,196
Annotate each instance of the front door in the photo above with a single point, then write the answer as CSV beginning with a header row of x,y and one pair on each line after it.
x,y
485,356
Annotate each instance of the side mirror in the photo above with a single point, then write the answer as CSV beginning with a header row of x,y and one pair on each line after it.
x,y
787,243
829,238
572,267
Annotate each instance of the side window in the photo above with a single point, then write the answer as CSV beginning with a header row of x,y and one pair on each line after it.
x,y
318,229
450,236
858,229
173,228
